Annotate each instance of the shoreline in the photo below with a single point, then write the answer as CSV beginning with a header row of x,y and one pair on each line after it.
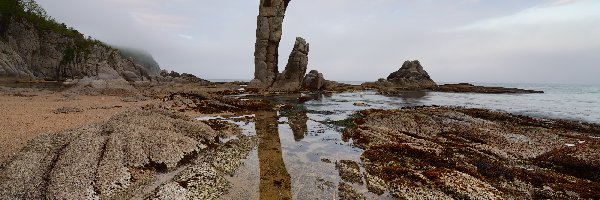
x,y
67,113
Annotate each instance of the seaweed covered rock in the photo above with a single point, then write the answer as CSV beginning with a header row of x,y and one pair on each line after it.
x,y
456,153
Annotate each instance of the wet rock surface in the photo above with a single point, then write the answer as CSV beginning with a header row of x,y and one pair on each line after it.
x,y
457,153
347,192
210,104
349,171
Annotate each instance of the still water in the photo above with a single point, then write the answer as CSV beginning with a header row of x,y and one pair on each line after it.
x,y
296,154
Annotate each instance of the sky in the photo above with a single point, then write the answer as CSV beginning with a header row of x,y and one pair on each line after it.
x,y
508,41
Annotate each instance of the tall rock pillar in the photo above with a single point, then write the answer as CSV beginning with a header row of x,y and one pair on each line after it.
x,y
291,78
268,35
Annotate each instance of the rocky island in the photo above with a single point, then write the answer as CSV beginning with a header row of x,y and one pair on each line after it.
x,y
86,120
411,76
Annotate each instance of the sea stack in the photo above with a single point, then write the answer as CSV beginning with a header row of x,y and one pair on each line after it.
x,y
291,78
412,76
268,36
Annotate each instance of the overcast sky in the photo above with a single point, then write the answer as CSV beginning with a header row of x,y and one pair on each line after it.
x,y
508,41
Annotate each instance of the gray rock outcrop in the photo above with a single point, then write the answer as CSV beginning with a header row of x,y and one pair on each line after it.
x,y
28,52
142,58
314,81
291,78
412,76
268,36
11,64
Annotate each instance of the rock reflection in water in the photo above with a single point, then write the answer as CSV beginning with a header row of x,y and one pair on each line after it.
x,y
297,121
413,97
274,178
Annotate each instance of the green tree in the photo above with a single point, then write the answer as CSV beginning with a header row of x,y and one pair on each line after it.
x,y
33,7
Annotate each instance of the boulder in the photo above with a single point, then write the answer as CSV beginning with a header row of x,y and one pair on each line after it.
x,y
130,76
291,78
412,76
314,80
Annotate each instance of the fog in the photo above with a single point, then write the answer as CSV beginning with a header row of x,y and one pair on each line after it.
x,y
511,41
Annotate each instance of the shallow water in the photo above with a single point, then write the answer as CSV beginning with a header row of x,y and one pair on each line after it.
x,y
573,102
290,164
289,160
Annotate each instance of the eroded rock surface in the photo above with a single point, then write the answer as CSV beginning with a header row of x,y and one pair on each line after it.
x,y
293,75
412,76
454,153
117,159
48,55
347,192
314,80
268,36
349,171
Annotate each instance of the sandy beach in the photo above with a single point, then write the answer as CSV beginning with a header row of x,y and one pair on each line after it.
x,y
34,113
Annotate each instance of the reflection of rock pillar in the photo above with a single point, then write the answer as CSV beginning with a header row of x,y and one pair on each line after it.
x,y
297,121
274,179
268,35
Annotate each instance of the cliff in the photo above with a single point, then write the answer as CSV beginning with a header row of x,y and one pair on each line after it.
x,y
142,58
35,47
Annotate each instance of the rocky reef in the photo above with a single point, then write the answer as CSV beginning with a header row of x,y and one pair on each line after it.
x,y
457,153
411,76
467,87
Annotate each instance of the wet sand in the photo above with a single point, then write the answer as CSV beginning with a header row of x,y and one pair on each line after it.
x,y
29,115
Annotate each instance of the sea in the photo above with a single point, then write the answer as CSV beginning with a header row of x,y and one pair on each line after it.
x,y
559,101
307,157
